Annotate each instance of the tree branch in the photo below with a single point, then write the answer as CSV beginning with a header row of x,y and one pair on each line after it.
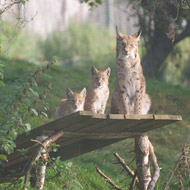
x,y
134,181
183,34
130,172
8,6
108,179
154,162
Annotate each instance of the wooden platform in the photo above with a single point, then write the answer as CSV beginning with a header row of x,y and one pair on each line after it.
x,y
83,132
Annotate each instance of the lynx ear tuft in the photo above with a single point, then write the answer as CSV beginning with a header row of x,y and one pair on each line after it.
x,y
83,92
69,92
108,71
94,70
138,35
117,33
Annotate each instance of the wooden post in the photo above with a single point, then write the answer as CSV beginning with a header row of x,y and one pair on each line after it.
x,y
142,161
39,172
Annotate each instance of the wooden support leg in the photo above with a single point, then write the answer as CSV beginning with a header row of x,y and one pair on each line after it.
x,y
40,156
142,161
40,175
39,170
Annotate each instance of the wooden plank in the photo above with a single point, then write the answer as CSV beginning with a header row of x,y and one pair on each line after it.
x,y
149,125
168,117
90,128
111,121
82,147
159,124
64,143
139,117
93,115
112,126
126,124
16,161
96,136
115,116
122,124
67,123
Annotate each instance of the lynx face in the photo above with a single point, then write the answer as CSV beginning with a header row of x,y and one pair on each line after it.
x,y
76,100
127,46
100,79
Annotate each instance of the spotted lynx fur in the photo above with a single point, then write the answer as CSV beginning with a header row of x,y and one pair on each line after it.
x,y
74,102
130,95
98,94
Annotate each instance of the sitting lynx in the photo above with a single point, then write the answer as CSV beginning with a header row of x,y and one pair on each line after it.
x,y
73,103
98,93
130,95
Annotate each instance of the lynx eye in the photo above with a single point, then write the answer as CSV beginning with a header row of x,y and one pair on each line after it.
x,y
123,43
103,78
131,45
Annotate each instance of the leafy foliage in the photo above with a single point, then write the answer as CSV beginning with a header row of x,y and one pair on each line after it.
x,y
22,107
62,173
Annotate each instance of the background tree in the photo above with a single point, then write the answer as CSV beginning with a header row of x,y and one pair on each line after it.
x,y
164,24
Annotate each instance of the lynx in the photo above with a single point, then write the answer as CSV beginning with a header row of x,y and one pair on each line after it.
x,y
98,94
130,95
73,103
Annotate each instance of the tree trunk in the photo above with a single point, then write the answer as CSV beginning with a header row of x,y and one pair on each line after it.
x,y
142,161
41,172
38,175
160,47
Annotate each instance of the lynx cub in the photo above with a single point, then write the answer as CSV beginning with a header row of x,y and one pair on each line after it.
x,y
73,103
130,95
98,93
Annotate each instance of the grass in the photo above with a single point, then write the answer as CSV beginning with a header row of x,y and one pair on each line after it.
x,y
81,174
